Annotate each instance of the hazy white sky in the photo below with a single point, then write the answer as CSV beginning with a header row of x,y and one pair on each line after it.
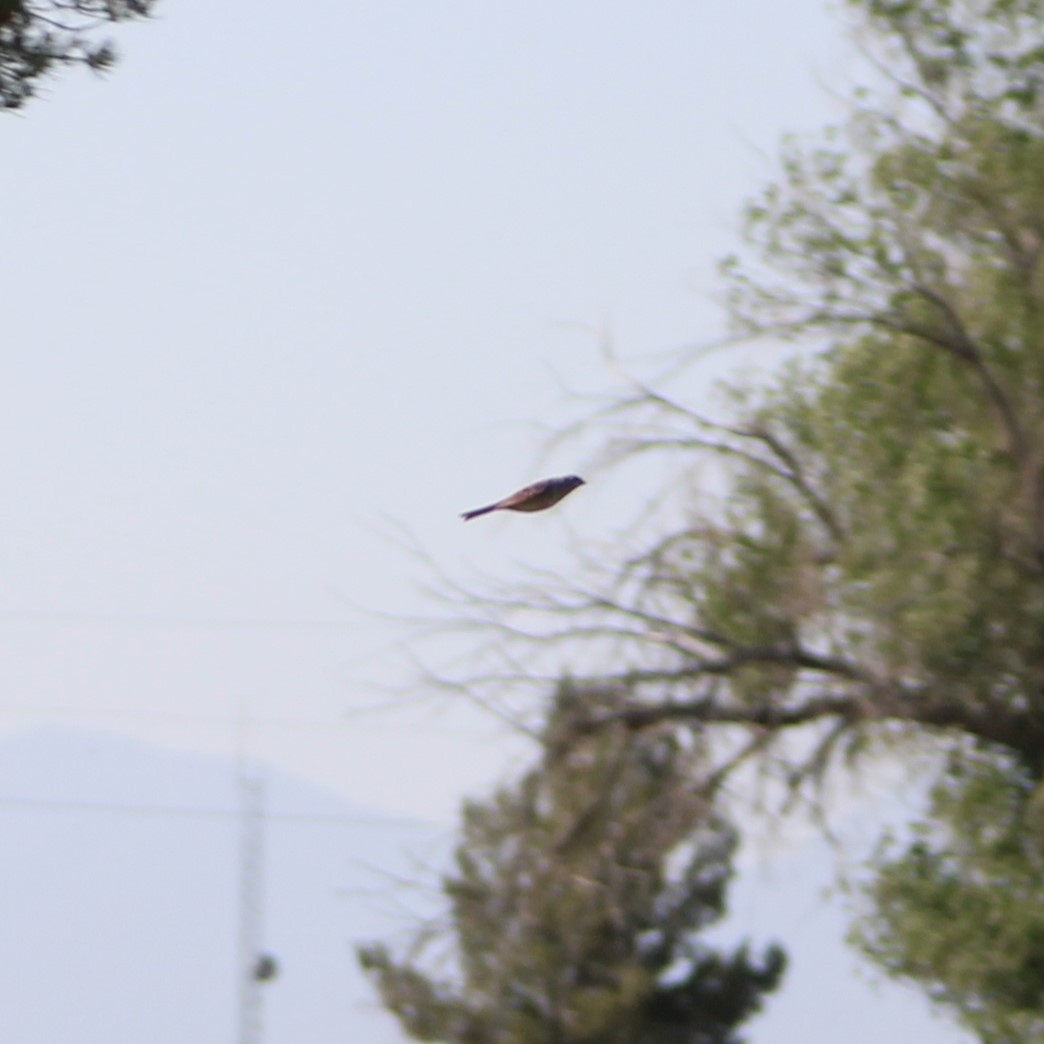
x,y
278,287
293,278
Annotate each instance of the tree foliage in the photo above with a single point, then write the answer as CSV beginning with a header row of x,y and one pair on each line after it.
x,y
877,571
880,561
576,905
39,36
958,908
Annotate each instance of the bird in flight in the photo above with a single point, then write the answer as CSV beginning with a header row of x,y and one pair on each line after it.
x,y
537,497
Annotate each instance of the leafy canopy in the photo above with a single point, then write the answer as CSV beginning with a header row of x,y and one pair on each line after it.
x,y
959,907
879,566
877,571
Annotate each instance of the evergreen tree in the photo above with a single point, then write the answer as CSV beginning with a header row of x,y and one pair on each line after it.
x,y
39,36
576,905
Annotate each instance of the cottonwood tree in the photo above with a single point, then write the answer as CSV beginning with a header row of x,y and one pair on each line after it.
x,y
576,904
880,562
37,37
877,573
957,905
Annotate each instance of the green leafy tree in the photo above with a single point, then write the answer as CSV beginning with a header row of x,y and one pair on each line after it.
x,y
875,575
576,905
958,907
879,565
39,36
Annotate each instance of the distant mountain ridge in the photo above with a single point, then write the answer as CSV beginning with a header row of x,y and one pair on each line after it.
x,y
119,896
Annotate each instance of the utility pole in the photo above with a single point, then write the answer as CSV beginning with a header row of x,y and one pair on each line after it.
x,y
251,903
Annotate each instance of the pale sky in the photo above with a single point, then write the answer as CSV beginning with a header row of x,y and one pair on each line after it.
x,y
293,281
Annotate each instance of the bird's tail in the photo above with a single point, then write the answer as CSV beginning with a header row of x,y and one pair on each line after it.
x,y
468,515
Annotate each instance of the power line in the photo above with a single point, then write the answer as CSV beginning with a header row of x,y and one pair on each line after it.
x,y
190,812
344,720
103,619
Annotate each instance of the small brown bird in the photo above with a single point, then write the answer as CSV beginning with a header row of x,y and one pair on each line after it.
x,y
537,497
